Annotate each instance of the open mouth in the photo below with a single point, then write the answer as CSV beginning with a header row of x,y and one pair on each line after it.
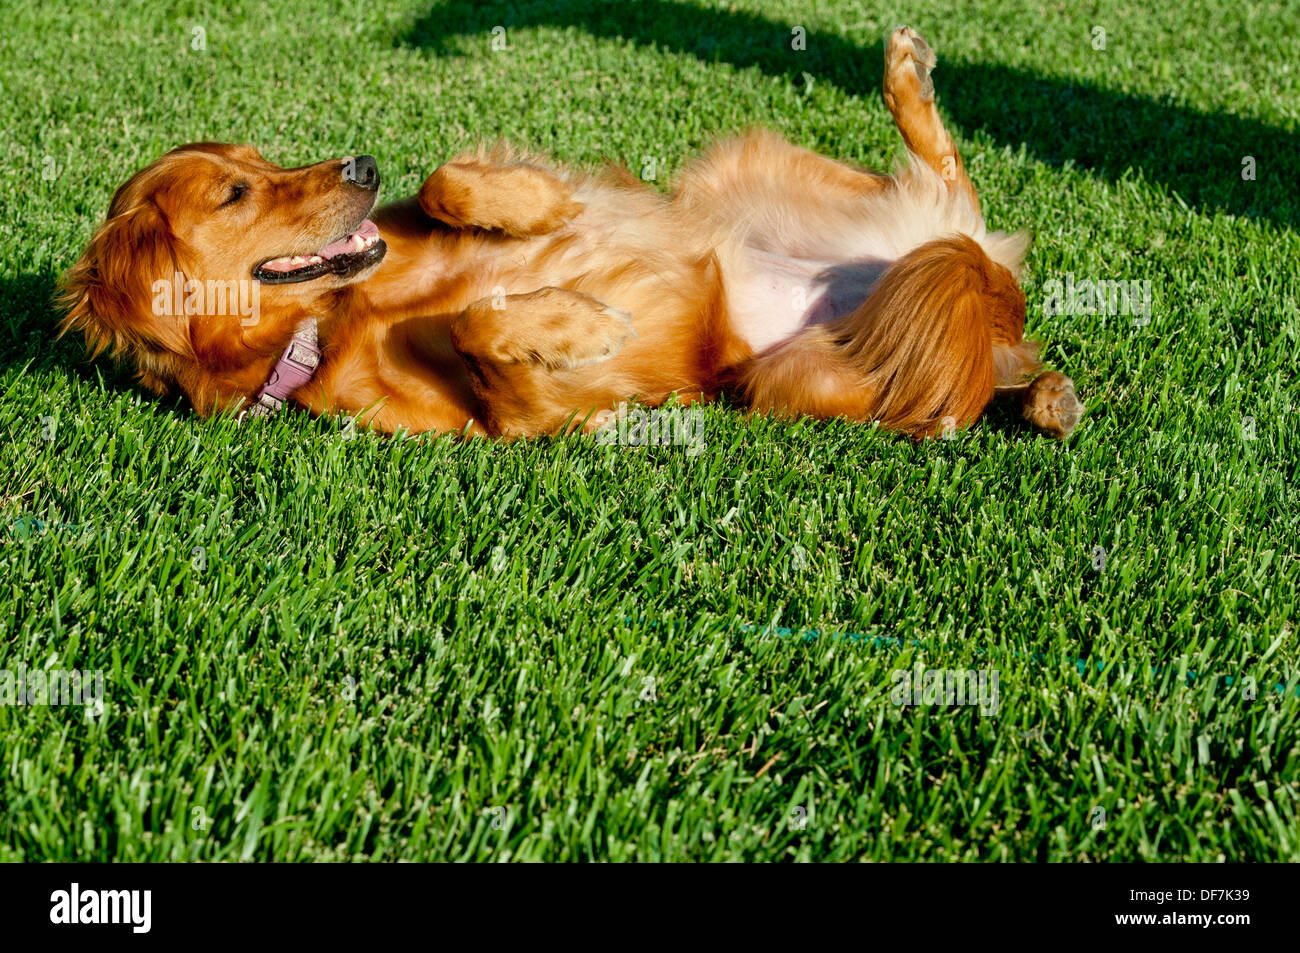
x,y
344,256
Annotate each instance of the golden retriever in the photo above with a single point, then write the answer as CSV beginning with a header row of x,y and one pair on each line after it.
x,y
512,297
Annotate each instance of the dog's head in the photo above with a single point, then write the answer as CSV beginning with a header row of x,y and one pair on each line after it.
x,y
210,258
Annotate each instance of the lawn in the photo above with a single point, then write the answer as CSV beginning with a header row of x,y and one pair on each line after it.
x,y
318,644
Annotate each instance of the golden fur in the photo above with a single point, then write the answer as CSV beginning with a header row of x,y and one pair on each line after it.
x,y
516,297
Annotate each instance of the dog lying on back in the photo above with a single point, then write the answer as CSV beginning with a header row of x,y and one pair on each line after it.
x,y
513,298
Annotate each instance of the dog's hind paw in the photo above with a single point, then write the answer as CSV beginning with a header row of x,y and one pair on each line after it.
x,y
908,62
1051,404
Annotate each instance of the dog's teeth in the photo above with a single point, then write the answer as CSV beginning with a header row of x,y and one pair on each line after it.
x,y
314,259
297,260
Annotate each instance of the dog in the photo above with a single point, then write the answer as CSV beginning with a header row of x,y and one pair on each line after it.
x,y
512,297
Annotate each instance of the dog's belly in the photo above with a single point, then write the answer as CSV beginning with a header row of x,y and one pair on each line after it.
x,y
770,297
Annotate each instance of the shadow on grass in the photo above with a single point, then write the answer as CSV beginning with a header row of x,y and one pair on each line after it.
x,y
1197,156
29,324
29,321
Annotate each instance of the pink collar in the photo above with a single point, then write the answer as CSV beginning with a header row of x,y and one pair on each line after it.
x,y
296,367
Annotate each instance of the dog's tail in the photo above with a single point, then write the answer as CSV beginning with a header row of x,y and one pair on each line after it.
x,y
918,355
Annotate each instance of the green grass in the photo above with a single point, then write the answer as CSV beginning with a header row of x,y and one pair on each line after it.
x,y
347,672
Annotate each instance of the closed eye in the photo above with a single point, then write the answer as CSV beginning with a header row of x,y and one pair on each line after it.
x,y
237,192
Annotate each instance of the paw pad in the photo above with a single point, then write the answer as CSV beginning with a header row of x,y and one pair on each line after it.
x,y
1052,406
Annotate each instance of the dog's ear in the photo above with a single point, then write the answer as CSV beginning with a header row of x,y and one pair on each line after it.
x,y
114,293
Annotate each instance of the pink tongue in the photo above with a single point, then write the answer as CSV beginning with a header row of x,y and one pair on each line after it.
x,y
345,245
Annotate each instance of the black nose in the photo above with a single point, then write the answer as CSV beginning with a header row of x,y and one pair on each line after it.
x,y
362,171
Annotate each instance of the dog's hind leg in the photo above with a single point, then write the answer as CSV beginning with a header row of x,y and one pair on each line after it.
x,y
759,170
909,94
1048,402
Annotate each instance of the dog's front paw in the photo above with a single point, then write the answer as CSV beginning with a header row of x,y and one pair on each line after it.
x,y
601,336
1051,404
518,200
908,62
563,330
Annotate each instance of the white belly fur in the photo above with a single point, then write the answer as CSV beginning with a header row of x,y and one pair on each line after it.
x,y
785,270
